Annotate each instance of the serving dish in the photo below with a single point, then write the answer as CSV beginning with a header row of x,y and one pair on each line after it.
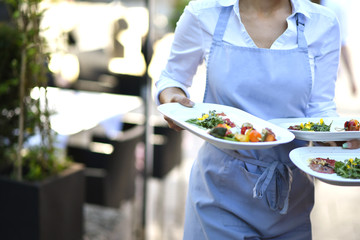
x,y
335,134
300,157
179,114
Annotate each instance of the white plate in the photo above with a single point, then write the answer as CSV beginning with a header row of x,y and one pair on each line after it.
x,y
300,157
180,114
333,135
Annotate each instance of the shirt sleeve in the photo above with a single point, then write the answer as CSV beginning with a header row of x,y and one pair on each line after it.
x,y
340,11
187,53
325,74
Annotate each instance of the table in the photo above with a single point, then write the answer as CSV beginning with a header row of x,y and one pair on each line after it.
x,y
76,111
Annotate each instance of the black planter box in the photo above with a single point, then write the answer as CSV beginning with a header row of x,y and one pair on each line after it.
x,y
168,153
110,178
167,144
47,210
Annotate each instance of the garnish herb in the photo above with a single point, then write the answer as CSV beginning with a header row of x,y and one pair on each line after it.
x,y
350,168
312,127
207,121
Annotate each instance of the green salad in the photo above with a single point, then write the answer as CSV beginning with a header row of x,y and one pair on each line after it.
x,y
207,120
312,127
349,168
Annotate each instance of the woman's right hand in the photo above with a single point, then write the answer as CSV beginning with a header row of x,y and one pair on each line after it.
x,y
171,95
352,144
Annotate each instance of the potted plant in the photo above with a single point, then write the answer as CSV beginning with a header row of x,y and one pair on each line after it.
x,y
178,9
42,192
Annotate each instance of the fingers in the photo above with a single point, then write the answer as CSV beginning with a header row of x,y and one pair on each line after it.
x,y
352,144
174,95
332,144
183,100
172,125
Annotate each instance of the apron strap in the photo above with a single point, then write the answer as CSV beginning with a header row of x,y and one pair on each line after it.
x,y
224,17
274,171
222,23
300,23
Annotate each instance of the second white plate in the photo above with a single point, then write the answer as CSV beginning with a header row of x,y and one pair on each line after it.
x,y
300,157
180,114
333,135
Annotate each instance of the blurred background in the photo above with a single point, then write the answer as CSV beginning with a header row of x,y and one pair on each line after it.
x,y
105,57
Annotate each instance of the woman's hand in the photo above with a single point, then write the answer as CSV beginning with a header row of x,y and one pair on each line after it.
x,y
352,144
174,95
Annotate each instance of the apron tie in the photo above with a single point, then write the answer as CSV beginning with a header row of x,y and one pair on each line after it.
x,y
282,176
283,180
276,172
264,180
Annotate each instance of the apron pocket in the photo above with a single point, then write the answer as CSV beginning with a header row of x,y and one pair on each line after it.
x,y
236,189
230,220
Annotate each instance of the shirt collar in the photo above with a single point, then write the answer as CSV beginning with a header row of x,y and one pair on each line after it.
x,y
299,6
226,3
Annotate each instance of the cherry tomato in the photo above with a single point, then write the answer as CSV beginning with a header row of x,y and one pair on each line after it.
x,y
352,125
245,127
254,136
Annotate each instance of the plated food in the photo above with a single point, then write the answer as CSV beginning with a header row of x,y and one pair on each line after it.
x,y
321,129
220,126
333,165
312,126
322,165
232,119
349,168
351,125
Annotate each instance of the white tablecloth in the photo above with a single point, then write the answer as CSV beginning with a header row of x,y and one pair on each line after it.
x,y
80,110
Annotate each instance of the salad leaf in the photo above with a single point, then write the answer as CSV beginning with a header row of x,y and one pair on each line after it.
x,y
207,121
350,168
218,132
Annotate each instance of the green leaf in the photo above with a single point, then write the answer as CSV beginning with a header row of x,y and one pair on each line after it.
x,y
218,132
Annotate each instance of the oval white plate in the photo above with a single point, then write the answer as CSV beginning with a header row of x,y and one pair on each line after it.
x,y
333,135
300,157
179,114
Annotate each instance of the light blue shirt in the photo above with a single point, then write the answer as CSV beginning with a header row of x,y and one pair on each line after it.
x,y
194,32
339,9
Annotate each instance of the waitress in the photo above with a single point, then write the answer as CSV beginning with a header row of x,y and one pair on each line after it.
x,y
270,58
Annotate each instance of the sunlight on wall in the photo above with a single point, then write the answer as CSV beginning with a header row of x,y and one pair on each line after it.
x,y
92,25
66,66
133,62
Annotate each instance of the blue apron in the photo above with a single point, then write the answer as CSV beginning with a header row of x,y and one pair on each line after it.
x,y
252,194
